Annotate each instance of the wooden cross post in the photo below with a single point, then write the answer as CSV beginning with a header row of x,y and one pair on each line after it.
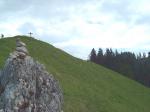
x,y
30,34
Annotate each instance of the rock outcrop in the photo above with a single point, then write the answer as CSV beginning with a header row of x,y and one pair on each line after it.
x,y
21,50
25,85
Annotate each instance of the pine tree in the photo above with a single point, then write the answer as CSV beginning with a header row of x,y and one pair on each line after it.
x,y
93,55
148,54
100,58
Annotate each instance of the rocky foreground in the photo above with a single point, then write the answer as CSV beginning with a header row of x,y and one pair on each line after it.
x,y
25,85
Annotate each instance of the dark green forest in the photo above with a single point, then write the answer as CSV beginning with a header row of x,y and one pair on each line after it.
x,y
136,67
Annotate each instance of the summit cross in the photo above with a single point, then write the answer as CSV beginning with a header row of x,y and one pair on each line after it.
x,y
30,33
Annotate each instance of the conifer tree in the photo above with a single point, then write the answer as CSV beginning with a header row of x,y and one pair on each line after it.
x,y
100,58
93,55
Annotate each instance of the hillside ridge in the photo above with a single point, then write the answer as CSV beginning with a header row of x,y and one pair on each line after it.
x,y
87,87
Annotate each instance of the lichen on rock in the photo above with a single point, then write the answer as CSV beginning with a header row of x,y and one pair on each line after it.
x,y
25,85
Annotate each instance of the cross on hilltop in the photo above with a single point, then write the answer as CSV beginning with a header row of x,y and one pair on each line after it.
x,y
30,33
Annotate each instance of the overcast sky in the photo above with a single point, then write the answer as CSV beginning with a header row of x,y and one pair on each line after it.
x,y
77,26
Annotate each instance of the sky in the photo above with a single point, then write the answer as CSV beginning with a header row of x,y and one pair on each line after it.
x,y
77,26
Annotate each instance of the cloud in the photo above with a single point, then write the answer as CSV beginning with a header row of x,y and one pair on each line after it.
x,y
120,8
78,26
145,19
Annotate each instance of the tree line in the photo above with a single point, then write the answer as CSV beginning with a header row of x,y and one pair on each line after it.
x,y
136,67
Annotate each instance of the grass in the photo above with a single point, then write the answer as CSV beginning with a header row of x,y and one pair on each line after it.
x,y
87,87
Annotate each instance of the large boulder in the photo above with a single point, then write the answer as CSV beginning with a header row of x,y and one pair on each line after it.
x,y
25,86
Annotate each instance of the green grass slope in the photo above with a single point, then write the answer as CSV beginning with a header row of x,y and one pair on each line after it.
x,y
87,87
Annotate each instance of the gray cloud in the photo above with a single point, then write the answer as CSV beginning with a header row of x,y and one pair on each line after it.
x,y
38,8
143,19
95,22
8,6
121,9
48,10
61,10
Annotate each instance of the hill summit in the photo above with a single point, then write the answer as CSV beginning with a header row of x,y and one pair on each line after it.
x,y
87,87
25,85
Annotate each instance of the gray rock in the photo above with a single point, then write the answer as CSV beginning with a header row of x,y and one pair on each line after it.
x,y
25,86
19,43
22,50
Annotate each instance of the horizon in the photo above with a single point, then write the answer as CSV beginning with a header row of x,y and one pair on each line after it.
x,y
86,57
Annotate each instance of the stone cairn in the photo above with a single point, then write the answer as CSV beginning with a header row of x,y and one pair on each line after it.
x,y
25,85
21,50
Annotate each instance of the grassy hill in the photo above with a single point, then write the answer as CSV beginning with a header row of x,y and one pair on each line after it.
x,y
87,87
